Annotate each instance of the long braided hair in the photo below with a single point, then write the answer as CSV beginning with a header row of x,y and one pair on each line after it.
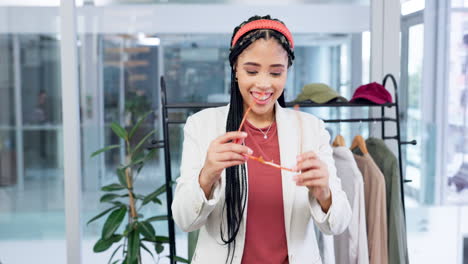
x,y
236,179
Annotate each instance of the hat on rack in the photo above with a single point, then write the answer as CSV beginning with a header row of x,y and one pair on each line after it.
x,y
319,93
372,92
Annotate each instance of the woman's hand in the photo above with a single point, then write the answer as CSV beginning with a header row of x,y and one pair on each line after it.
x,y
222,153
314,176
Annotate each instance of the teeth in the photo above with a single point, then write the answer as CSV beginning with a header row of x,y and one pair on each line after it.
x,y
259,97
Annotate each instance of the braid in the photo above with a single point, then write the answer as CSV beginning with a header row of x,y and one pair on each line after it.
x,y
236,176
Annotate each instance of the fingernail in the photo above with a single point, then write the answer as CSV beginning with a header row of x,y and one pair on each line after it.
x,y
299,158
295,177
244,134
294,168
249,151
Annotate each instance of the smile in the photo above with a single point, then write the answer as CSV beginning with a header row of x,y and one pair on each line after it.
x,y
258,98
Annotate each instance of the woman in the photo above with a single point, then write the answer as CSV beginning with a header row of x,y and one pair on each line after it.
x,y
248,212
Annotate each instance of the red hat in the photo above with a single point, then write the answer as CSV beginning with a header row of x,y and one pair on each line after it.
x,y
373,92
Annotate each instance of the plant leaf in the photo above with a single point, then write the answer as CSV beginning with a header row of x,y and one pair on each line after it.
x,y
156,200
118,203
113,222
143,141
162,239
119,131
115,251
139,196
157,218
137,125
135,162
139,156
103,244
112,187
128,228
159,247
179,259
158,239
147,250
97,152
146,229
133,248
122,177
147,157
101,214
154,194
150,154
109,197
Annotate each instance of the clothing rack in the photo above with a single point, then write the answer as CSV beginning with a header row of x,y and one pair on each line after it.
x,y
165,142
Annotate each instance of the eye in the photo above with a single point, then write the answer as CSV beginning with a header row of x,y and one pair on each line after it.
x,y
276,73
251,72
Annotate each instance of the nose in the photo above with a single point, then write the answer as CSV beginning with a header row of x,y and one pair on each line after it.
x,y
263,82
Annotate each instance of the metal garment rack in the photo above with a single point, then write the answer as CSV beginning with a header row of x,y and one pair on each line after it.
x,y
165,142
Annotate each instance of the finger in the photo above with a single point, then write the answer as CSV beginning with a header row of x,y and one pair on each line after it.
x,y
232,147
306,155
229,156
230,136
233,163
309,175
313,183
309,164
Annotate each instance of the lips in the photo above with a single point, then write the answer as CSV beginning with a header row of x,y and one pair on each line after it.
x,y
261,99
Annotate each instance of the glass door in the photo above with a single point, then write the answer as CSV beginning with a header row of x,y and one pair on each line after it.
x,y
411,103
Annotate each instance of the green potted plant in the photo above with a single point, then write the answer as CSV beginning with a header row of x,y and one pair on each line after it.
x,y
125,204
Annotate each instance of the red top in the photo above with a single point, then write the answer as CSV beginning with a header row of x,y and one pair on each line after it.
x,y
265,238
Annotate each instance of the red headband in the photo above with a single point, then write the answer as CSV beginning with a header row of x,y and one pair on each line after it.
x,y
264,24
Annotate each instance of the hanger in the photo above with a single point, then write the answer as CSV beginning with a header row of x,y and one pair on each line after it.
x,y
339,141
359,142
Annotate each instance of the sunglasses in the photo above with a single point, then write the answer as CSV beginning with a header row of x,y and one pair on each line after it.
x,y
260,158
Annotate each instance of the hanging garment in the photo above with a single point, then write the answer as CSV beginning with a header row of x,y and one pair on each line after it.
x,y
351,245
326,246
388,164
376,213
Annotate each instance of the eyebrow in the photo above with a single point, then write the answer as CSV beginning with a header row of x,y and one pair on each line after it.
x,y
256,64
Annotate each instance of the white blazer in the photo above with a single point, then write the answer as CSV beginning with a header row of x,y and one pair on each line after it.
x,y
192,211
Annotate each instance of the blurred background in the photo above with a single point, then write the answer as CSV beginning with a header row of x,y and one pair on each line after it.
x,y
124,46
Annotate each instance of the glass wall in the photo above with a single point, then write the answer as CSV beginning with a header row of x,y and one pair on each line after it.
x,y
119,83
457,131
119,69
436,199
31,149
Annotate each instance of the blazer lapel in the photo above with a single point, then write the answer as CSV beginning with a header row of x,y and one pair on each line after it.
x,y
288,139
